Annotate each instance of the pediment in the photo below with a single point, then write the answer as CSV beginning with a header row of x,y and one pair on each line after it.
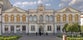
x,y
69,9
15,10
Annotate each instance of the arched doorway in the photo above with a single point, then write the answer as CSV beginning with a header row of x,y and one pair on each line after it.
x,y
41,29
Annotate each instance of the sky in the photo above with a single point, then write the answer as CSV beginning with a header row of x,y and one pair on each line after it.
x,y
49,4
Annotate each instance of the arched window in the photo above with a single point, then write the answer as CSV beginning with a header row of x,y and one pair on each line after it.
x,y
58,18
6,19
41,18
18,18
64,17
46,17
30,18
76,17
51,18
12,18
70,17
23,18
35,18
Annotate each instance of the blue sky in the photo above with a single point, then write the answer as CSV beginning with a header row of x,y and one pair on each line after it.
x,y
49,4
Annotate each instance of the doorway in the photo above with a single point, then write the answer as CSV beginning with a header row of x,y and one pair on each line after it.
x,y
41,29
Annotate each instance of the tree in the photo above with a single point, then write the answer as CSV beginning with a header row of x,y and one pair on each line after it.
x,y
64,28
75,27
81,28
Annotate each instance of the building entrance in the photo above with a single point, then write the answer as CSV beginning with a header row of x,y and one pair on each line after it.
x,y
41,29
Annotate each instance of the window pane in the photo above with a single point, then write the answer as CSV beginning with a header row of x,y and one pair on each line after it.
x,y
12,18
58,28
76,17
35,18
6,19
49,28
30,18
47,17
24,28
24,18
58,18
12,28
18,18
50,18
6,27
41,18
32,28
70,17
64,17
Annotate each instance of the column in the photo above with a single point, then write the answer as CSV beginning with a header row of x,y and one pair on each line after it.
x,y
9,30
3,29
61,28
14,29
27,29
55,28
73,18
61,18
67,18
20,28
0,28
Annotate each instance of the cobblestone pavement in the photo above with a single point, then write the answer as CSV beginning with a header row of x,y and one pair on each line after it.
x,y
43,37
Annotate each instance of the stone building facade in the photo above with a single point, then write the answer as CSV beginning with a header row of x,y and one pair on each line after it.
x,y
17,20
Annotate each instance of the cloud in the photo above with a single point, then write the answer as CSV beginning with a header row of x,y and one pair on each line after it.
x,y
72,2
65,0
39,2
61,5
24,3
28,3
48,4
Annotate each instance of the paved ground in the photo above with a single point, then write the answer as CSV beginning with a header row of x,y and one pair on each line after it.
x,y
43,37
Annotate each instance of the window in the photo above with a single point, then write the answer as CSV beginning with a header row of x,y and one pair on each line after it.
x,y
12,18
47,17
18,28
51,18
32,28
41,18
58,18
12,28
58,28
64,17
18,18
76,17
24,18
30,18
24,28
70,17
6,19
49,28
6,27
35,18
